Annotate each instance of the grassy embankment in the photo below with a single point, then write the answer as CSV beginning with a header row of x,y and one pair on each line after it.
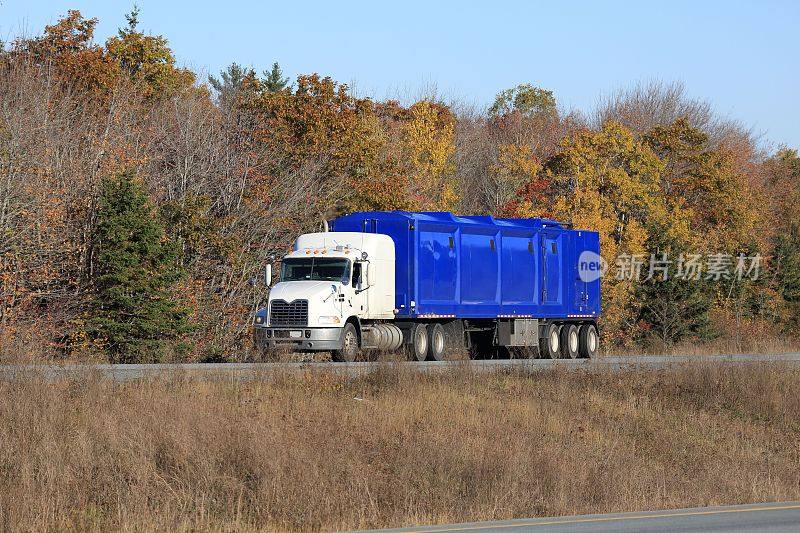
x,y
315,451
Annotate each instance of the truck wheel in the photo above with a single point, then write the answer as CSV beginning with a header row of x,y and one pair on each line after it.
x,y
418,349
436,342
551,344
349,351
589,341
569,341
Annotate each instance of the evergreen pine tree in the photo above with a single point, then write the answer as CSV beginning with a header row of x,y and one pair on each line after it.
x,y
230,83
133,310
788,251
675,309
274,80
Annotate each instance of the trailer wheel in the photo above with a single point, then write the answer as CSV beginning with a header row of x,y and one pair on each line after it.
x,y
589,341
569,341
349,351
418,349
436,342
551,344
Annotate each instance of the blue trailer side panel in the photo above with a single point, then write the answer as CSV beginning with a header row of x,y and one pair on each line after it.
x,y
519,254
587,289
481,267
438,286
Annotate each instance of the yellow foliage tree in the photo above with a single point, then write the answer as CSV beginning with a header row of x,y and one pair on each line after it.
x,y
381,182
147,59
608,181
429,146
68,45
707,184
515,187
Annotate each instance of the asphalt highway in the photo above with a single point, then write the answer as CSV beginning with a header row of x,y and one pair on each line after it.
x,y
250,370
756,518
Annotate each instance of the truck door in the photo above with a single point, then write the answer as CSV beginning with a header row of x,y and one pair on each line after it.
x,y
360,300
551,268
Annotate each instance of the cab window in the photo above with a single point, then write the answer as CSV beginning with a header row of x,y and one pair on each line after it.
x,y
315,269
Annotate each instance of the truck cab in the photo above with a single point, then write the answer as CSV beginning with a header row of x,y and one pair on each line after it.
x,y
329,284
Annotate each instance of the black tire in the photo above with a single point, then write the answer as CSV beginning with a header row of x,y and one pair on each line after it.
x,y
436,342
551,343
589,341
569,341
418,347
350,349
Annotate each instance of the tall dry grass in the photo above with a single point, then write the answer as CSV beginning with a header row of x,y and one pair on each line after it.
x,y
318,451
757,345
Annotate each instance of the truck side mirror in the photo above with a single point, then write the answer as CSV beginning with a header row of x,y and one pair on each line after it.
x,y
268,275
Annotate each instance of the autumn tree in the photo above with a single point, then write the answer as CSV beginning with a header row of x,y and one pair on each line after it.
x,y
608,181
524,99
784,177
705,182
319,119
523,129
134,314
414,168
384,184
56,138
147,59
515,184
68,45
428,144
320,122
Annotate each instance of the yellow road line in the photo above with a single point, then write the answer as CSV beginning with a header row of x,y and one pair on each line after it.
x,y
617,518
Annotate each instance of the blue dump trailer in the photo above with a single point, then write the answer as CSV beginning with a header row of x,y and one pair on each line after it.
x,y
436,283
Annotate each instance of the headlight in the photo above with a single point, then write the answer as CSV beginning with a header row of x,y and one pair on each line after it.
x,y
329,320
260,319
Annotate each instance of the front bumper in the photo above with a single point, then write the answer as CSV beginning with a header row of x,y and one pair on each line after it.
x,y
309,339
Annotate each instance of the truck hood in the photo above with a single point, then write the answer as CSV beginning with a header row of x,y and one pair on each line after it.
x,y
302,290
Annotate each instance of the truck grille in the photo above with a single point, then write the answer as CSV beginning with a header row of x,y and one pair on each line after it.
x,y
282,313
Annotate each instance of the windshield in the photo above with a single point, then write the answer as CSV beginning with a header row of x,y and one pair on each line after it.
x,y
316,269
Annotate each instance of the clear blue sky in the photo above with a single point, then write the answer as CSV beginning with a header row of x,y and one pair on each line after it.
x,y
741,56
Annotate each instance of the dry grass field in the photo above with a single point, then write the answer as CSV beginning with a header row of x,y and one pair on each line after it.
x,y
320,452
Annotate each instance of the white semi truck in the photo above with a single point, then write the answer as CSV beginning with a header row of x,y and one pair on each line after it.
x,y
436,282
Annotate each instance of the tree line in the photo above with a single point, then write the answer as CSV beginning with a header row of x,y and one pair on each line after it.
x,y
138,202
